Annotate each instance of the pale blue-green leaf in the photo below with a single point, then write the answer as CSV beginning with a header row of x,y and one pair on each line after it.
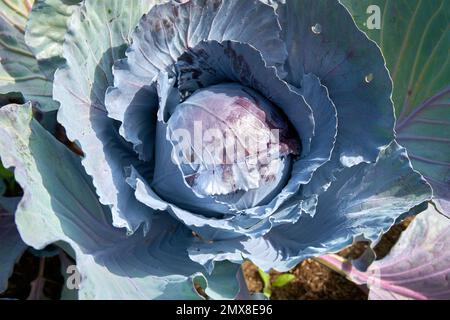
x,y
16,12
45,32
222,283
19,70
341,58
322,39
99,32
414,37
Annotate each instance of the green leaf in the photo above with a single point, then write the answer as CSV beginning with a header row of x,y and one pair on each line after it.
x,y
414,38
7,182
19,70
265,277
46,30
5,173
283,280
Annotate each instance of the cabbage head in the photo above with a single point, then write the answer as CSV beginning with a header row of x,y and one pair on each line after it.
x,y
212,132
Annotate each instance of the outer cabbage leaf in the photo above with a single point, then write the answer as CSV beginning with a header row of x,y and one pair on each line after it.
x,y
98,34
414,39
12,246
60,204
16,12
364,201
418,263
45,32
416,268
19,70
342,58
224,281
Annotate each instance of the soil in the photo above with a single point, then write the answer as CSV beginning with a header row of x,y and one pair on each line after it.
x,y
313,282
27,270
